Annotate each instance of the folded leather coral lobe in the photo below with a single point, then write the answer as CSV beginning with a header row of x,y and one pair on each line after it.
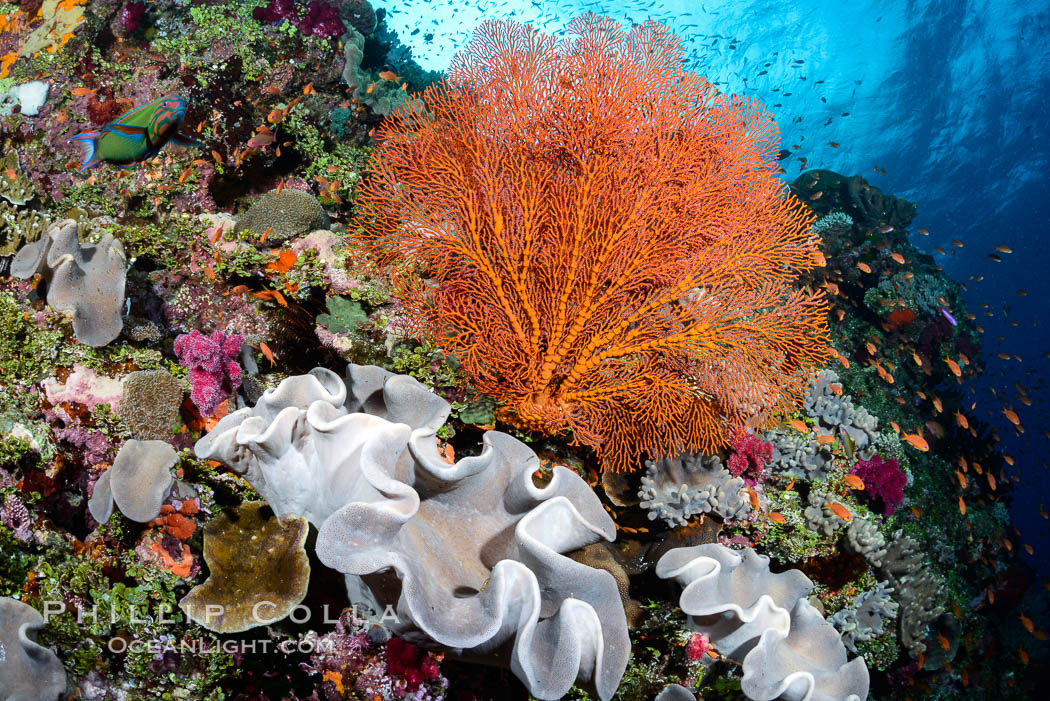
x,y
607,248
477,546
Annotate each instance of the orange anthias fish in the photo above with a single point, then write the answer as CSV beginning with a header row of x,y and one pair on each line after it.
x,y
853,482
840,511
916,441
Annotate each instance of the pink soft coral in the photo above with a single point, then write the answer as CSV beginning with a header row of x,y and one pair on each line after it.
x,y
883,482
214,371
750,455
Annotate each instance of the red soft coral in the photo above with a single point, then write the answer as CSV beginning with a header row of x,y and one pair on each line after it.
x,y
405,660
750,455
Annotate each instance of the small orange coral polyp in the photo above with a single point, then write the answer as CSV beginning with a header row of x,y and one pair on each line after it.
x,y
608,249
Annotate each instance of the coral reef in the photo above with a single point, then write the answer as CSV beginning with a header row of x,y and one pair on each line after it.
x,y
357,657
529,259
853,196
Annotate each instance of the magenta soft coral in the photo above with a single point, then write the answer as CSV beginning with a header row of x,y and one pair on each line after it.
x,y
320,19
883,482
750,455
214,371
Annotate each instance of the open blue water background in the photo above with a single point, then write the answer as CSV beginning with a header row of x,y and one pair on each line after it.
x,y
950,97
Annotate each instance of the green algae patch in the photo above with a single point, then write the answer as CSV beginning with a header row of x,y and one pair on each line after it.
x,y
27,352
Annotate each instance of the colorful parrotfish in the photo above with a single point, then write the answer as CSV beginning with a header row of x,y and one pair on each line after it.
x,y
137,135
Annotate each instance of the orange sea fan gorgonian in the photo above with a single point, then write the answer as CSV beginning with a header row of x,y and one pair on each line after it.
x,y
599,236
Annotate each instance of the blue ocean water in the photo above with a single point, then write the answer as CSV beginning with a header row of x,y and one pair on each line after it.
x,y
947,97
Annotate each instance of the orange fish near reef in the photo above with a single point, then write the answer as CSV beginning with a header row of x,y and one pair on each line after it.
x,y
916,441
777,517
840,511
853,482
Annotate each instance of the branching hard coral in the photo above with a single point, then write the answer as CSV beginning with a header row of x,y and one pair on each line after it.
x,y
608,249
214,371
764,621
